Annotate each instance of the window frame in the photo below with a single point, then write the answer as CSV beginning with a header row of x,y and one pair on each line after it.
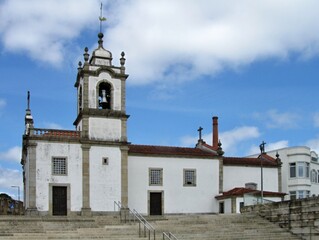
x,y
299,170
291,167
151,178
192,183
59,172
314,176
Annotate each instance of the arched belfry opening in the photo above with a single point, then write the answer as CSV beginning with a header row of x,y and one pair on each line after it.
x,y
104,97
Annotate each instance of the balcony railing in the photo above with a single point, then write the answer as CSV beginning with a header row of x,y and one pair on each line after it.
x,y
42,132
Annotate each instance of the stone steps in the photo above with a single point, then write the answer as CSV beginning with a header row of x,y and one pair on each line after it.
x,y
184,227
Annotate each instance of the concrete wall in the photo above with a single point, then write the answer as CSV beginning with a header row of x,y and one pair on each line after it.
x,y
177,198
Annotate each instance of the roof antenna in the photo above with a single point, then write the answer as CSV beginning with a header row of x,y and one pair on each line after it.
x,y
101,18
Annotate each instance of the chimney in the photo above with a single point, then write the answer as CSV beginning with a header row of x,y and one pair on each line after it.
x,y
215,133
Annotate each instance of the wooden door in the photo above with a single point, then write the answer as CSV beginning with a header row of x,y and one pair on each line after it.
x,y
59,201
155,203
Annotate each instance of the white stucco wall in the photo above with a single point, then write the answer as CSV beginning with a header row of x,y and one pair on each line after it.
x,y
177,198
105,187
238,176
104,129
44,153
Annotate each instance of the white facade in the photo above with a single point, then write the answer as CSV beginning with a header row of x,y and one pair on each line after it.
x,y
178,198
300,170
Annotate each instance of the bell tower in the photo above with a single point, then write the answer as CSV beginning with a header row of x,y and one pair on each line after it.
x,y
101,113
101,120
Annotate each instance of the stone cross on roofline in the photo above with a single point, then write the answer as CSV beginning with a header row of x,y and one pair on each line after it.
x,y
200,129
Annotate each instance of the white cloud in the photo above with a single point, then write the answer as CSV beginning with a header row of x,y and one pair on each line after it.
x,y
316,119
43,29
52,125
188,141
313,144
3,103
166,40
268,147
183,39
9,178
13,154
275,119
229,139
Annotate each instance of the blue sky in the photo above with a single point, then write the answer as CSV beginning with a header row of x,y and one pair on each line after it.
x,y
254,64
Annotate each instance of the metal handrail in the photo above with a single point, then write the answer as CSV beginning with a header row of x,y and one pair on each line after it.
x,y
118,204
169,236
140,218
145,223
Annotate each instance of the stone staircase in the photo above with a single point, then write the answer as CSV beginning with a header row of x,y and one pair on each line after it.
x,y
184,227
228,226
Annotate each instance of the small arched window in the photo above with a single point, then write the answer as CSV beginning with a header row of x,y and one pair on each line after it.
x,y
80,98
104,98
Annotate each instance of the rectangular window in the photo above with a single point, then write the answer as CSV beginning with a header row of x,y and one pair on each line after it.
x,y
301,194
292,170
307,170
59,166
189,177
301,169
156,176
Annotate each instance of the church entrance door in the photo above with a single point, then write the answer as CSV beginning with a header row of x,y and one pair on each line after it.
x,y
155,203
59,201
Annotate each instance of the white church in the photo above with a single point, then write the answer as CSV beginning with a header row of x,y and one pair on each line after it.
x,y
84,171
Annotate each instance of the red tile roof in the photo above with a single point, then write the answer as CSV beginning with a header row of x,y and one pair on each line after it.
x,y
267,161
168,151
240,191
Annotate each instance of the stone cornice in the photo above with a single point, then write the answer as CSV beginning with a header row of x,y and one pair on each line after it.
x,y
109,69
103,113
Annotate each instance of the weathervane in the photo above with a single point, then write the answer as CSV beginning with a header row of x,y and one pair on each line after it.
x,y
101,18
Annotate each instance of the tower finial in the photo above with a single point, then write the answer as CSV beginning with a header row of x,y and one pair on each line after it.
x,y
28,100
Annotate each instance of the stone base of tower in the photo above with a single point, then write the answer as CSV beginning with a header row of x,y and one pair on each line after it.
x,y
86,212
